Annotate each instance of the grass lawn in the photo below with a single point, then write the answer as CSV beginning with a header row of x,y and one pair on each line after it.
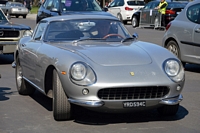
x,y
34,10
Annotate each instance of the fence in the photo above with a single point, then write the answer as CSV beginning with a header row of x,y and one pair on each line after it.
x,y
152,18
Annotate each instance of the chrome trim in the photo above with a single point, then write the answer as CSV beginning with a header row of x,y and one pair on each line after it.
x,y
172,101
14,64
34,85
86,103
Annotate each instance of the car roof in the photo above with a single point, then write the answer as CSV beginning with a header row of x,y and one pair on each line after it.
x,y
77,16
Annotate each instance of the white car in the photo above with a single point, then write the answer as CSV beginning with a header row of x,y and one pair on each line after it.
x,y
124,9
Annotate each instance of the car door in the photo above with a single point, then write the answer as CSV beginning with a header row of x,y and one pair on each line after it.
x,y
30,57
114,7
185,32
196,33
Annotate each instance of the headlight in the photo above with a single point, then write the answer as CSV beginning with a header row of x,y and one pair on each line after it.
x,y
78,71
174,70
27,33
82,74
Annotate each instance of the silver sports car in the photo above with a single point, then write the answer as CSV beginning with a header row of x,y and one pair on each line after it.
x,y
94,62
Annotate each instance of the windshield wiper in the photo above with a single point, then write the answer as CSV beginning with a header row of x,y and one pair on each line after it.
x,y
127,39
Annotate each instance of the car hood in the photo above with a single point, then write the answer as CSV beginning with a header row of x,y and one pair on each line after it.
x,y
87,13
8,25
112,54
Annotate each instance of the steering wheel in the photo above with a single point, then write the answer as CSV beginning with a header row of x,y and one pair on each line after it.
x,y
113,35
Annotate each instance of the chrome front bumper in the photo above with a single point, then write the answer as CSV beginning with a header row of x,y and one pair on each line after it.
x,y
86,103
172,101
168,101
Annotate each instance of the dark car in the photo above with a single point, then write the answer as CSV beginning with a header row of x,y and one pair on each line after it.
x,y
10,34
150,16
62,7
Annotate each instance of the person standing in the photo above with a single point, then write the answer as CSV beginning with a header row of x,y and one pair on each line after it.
x,y
27,3
162,9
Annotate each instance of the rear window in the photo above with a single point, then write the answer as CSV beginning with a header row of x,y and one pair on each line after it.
x,y
135,3
176,5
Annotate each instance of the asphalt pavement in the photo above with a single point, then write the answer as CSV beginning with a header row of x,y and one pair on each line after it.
x,y
31,16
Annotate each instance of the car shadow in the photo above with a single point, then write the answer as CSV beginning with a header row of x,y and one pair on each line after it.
x,y
43,100
93,118
88,117
192,68
6,59
5,92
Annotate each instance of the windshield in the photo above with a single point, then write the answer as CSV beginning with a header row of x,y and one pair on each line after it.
x,y
86,29
16,5
80,5
176,5
2,17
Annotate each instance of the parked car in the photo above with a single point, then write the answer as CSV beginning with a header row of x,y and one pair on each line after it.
x,y
63,7
124,9
3,5
16,9
10,33
149,16
182,34
13,8
67,60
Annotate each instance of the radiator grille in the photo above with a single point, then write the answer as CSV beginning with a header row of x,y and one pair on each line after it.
x,y
7,33
133,93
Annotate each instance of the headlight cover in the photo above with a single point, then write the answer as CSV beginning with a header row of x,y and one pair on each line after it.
x,y
82,74
174,69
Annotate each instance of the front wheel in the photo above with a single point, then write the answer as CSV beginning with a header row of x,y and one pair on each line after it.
x,y
61,105
172,46
135,22
23,87
168,110
119,16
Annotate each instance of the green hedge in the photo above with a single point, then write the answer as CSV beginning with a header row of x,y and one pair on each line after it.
x,y
34,9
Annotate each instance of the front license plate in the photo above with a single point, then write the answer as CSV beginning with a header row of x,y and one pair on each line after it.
x,y
134,104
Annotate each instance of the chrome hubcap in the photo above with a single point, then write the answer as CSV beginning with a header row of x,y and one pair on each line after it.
x,y
19,75
173,49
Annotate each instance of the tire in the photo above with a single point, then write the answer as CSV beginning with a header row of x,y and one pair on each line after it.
x,y
172,46
119,16
135,22
156,23
24,16
61,106
23,87
168,110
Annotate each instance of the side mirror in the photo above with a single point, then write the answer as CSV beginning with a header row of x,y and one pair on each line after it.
x,y
105,9
135,35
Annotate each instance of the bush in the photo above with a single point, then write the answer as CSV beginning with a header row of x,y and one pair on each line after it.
x,y
34,9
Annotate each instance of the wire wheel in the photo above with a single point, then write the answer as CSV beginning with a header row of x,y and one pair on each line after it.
x,y
173,47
